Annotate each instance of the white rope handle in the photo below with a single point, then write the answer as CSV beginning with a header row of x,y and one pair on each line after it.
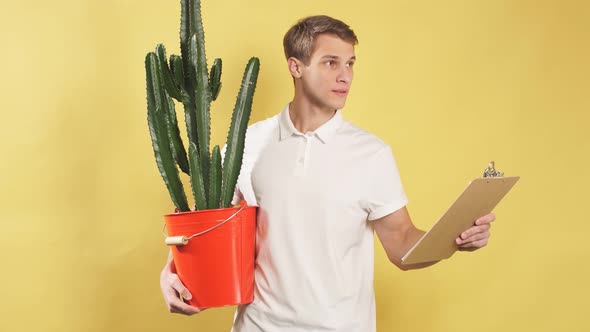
x,y
182,240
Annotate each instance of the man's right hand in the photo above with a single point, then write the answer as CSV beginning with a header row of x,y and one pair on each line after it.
x,y
172,289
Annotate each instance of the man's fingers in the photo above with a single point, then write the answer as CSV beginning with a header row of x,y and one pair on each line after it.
x,y
476,241
474,245
476,236
177,285
172,288
177,306
474,230
488,218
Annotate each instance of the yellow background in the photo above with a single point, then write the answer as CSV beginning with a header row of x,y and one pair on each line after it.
x,y
450,85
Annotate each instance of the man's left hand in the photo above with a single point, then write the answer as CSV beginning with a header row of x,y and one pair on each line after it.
x,y
478,235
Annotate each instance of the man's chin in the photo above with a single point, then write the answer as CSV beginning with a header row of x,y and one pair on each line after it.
x,y
338,105
333,104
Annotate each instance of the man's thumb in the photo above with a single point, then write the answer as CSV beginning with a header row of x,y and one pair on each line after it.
x,y
186,294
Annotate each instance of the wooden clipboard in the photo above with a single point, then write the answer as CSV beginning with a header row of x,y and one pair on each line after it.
x,y
479,198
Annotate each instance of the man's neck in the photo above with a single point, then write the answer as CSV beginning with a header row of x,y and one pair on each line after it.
x,y
307,117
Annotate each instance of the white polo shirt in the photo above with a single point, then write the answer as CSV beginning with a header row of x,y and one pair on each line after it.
x,y
317,193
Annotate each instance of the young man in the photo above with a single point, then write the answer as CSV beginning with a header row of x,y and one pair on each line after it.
x,y
323,186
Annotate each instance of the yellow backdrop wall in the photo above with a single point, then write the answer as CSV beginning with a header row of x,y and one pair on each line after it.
x,y
450,85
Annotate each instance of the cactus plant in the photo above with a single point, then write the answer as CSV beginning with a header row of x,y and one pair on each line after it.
x,y
187,79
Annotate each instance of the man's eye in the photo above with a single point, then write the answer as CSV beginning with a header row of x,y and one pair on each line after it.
x,y
330,63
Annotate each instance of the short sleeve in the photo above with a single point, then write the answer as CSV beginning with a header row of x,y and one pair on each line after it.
x,y
238,196
385,193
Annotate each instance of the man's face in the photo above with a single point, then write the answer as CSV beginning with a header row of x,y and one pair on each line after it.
x,y
326,80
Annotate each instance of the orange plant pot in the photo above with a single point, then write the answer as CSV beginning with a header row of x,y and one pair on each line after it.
x,y
217,266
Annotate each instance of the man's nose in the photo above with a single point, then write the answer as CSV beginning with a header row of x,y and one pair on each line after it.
x,y
345,75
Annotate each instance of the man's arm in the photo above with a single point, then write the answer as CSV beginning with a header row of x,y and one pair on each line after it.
x,y
398,234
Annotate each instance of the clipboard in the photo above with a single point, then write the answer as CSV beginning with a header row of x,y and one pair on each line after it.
x,y
479,198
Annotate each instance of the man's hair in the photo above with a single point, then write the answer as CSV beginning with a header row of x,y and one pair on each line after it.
x,y
299,40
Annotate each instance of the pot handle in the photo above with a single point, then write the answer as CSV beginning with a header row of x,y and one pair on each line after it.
x,y
183,240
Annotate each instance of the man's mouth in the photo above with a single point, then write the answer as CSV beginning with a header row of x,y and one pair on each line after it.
x,y
341,92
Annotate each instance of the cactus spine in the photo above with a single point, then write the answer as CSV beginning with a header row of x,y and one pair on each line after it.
x,y
187,79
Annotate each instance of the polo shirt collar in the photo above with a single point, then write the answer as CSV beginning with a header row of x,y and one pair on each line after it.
x,y
325,132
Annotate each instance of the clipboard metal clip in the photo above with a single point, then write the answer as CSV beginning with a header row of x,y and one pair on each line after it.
x,y
491,171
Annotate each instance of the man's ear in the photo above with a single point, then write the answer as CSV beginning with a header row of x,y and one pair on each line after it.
x,y
295,67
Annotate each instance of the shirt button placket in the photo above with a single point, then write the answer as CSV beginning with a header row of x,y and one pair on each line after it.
x,y
308,138
300,161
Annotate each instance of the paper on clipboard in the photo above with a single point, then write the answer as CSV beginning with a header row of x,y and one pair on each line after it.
x,y
478,199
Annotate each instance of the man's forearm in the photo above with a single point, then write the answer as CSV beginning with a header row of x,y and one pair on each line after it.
x,y
413,235
398,235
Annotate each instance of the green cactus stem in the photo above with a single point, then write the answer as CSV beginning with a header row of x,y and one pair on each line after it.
x,y
158,125
196,24
215,178
197,178
173,90
178,73
215,79
202,102
237,133
185,35
178,150
186,78
201,85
